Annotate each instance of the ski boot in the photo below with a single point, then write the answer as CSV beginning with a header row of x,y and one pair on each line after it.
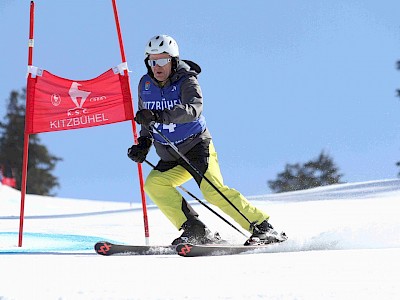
x,y
196,232
264,234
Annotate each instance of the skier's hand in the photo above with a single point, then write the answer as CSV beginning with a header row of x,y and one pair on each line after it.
x,y
146,116
139,152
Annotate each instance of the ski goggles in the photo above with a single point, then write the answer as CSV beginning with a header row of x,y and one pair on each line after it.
x,y
161,62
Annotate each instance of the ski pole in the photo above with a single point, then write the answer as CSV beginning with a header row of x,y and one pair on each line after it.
x,y
202,203
198,171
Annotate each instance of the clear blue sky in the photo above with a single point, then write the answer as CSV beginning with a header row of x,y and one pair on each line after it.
x,y
282,81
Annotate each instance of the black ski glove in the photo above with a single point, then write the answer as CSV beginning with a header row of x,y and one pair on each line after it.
x,y
139,152
146,116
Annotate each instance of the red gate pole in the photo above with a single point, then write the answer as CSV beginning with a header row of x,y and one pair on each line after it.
x,y
140,171
26,135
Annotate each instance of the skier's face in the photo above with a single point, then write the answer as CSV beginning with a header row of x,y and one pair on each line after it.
x,y
161,73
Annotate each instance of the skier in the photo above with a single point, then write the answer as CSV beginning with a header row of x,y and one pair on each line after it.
x,y
170,99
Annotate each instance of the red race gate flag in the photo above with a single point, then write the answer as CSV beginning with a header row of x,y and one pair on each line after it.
x,y
55,103
76,104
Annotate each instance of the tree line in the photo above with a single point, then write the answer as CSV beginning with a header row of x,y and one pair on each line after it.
x,y
320,171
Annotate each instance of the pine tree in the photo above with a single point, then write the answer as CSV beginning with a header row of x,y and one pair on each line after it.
x,y
41,163
398,68
319,172
398,94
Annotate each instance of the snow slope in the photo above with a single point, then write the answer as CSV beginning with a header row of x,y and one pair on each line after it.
x,y
344,243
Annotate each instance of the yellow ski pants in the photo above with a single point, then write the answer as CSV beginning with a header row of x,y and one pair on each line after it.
x,y
161,188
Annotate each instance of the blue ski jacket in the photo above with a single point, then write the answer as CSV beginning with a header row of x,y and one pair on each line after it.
x,y
180,105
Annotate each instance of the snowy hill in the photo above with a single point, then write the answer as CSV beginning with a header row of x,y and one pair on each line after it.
x,y
344,243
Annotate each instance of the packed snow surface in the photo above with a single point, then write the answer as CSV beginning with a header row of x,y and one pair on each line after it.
x,y
344,243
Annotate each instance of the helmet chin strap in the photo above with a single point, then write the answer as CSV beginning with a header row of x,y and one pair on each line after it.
x,y
175,63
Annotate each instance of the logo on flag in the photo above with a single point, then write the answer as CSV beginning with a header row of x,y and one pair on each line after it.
x,y
55,99
78,97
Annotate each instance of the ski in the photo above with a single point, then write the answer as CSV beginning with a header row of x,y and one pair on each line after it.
x,y
190,250
186,249
107,249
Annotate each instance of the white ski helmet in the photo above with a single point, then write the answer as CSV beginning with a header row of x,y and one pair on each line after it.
x,y
162,44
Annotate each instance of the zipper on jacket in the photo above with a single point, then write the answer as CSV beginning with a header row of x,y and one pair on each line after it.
x,y
162,94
